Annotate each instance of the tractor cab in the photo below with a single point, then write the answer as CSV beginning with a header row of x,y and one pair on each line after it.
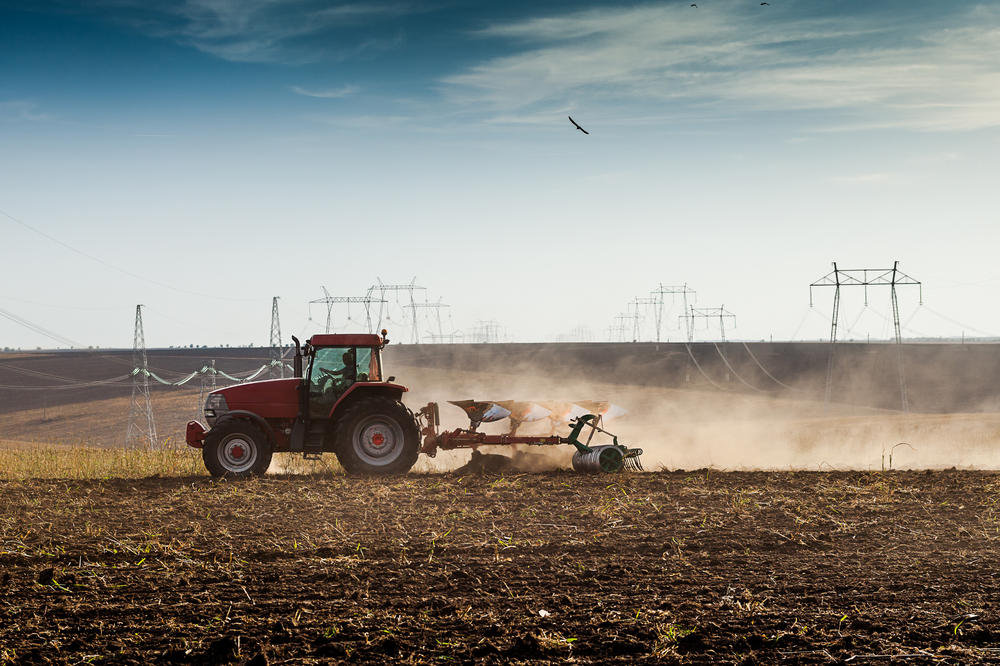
x,y
336,363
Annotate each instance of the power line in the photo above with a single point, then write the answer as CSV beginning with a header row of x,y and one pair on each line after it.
x,y
113,267
52,335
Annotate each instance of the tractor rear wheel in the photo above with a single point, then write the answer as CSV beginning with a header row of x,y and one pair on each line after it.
x,y
377,435
237,449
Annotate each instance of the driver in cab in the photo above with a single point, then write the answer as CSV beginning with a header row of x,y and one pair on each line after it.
x,y
347,375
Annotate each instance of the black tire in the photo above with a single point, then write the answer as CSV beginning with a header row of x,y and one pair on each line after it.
x,y
377,435
236,449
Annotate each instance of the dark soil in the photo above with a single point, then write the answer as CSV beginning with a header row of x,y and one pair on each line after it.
x,y
692,567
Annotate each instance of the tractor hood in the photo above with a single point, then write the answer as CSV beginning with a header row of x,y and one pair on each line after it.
x,y
270,399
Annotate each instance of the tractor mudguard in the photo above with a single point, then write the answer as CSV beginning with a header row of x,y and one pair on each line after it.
x,y
394,391
250,416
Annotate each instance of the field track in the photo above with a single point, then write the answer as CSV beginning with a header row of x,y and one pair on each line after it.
x,y
688,567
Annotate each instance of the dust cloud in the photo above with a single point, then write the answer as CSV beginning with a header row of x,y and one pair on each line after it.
x,y
693,429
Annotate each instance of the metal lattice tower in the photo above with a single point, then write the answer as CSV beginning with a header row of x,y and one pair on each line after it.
x,y
636,323
382,288
867,277
277,355
436,307
487,332
631,316
707,314
141,425
330,301
616,332
673,291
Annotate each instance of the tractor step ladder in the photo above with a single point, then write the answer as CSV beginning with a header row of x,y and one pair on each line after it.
x,y
313,444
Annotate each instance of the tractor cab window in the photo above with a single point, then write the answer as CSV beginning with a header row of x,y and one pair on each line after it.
x,y
332,371
368,368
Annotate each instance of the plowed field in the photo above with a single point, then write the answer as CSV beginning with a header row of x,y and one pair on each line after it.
x,y
688,567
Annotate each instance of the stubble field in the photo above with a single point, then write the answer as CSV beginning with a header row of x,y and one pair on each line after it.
x,y
687,567
112,556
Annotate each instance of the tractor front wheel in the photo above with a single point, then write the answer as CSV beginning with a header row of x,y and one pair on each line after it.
x,y
377,436
237,449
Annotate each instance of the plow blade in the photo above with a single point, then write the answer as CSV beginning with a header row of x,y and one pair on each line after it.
x,y
525,411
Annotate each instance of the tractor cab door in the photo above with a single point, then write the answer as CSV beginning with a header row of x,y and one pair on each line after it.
x,y
332,371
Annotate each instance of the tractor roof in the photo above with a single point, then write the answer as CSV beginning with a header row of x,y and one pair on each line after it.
x,y
345,340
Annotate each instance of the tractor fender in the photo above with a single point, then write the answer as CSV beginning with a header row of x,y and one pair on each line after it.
x,y
394,391
249,416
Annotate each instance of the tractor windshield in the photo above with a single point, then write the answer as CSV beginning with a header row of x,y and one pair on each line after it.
x,y
334,369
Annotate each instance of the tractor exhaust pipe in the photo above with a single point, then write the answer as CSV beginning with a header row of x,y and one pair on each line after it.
x,y
297,362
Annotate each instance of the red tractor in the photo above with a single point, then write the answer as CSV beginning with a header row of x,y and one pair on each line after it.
x,y
341,405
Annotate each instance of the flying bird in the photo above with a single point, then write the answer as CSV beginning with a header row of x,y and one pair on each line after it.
x,y
576,125
694,5
765,4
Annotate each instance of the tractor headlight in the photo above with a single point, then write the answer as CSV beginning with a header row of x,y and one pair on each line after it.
x,y
215,407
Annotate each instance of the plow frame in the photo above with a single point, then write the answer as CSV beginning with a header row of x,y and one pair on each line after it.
x,y
429,419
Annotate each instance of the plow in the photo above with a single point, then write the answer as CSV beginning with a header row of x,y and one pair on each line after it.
x,y
338,402
588,457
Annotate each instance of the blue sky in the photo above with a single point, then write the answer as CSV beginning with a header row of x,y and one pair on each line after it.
x,y
227,152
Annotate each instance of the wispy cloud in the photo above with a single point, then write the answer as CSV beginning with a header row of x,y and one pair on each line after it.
x,y
335,93
733,59
22,110
265,30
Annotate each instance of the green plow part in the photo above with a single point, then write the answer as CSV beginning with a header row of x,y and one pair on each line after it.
x,y
611,458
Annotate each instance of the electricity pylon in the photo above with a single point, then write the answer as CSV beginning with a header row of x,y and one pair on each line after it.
x,y
277,360
487,332
636,323
141,424
409,287
719,313
616,332
867,277
673,291
330,301
427,306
